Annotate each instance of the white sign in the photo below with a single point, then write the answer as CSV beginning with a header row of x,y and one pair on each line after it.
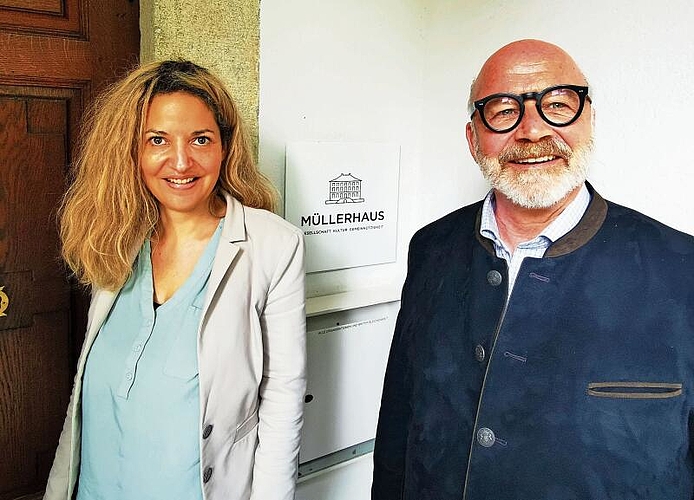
x,y
344,196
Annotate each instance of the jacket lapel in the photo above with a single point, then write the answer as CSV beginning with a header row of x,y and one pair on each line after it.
x,y
234,231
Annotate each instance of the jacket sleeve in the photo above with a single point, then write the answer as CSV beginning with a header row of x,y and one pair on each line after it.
x,y
61,478
393,421
283,384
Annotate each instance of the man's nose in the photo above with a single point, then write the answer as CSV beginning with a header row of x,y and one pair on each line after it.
x,y
532,127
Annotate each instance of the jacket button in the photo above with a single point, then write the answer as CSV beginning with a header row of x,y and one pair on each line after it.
x,y
494,277
207,475
207,431
485,437
479,353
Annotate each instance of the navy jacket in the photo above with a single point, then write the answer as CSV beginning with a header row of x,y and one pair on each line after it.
x,y
582,387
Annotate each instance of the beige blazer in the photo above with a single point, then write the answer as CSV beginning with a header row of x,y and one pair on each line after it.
x,y
251,359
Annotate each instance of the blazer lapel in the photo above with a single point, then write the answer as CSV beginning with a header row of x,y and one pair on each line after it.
x,y
234,231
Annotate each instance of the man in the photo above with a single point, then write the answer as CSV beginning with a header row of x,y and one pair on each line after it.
x,y
544,347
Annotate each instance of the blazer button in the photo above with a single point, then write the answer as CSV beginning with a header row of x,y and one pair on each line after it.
x,y
485,437
494,277
207,475
208,430
479,353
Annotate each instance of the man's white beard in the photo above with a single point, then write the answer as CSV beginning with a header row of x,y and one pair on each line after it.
x,y
539,187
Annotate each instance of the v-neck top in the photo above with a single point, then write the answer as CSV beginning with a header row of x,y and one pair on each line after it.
x,y
140,399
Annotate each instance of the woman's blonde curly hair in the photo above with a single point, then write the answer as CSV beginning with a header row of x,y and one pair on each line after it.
x,y
108,211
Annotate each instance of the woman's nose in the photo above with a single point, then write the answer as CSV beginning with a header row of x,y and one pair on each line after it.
x,y
182,157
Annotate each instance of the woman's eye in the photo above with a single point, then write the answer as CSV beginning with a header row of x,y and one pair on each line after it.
x,y
156,140
202,140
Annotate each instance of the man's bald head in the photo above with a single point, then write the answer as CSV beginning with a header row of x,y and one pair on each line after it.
x,y
517,61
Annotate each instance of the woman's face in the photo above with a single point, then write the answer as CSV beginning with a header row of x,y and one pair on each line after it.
x,y
181,153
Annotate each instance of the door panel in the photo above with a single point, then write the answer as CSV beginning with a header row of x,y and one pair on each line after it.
x,y
56,53
35,334
56,17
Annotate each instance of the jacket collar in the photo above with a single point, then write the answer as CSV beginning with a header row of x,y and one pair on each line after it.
x,y
584,231
234,229
233,232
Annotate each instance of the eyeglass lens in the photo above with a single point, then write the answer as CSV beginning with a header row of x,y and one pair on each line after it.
x,y
557,107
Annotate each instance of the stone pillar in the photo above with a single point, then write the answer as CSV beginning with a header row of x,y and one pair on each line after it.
x,y
222,35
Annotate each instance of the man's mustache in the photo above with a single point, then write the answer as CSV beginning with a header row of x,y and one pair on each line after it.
x,y
551,146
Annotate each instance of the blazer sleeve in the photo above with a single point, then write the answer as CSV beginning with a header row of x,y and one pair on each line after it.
x,y
59,480
283,385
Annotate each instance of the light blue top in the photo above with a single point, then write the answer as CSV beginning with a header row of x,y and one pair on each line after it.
x,y
565,222
140,399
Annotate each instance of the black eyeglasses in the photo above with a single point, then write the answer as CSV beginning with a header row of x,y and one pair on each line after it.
x,y
559,106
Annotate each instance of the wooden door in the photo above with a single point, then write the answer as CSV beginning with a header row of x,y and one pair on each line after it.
x,y
54,54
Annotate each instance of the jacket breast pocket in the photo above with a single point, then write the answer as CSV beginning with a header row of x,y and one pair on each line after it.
x,y
634,390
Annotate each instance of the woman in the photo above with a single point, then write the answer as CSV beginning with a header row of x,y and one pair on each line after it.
x,y
191,380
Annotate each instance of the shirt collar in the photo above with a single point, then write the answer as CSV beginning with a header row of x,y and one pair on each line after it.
x,y
566,221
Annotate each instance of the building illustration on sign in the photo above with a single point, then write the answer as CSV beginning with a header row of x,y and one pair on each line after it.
x,y
345,189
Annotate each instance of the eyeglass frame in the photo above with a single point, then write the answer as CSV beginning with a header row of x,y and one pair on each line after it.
x,y
581,90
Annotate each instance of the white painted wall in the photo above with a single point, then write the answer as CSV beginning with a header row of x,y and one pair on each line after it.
x,y
399,71
343,71
638,56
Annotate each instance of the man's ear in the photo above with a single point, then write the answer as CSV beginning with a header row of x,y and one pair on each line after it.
x,y
471,139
